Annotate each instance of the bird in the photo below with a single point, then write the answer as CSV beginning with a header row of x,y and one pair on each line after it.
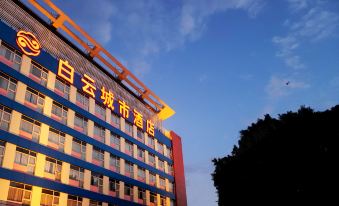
x,y
287,83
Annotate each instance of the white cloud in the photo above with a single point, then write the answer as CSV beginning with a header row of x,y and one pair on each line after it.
x,y
296,5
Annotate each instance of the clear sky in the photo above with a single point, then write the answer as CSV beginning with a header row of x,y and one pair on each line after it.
x,y
221,64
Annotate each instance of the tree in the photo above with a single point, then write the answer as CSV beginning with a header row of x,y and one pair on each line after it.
x,y
291,159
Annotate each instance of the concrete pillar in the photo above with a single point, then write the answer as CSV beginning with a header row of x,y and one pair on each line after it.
x,y
156,162
87,179
20,92
4,189
25,65
70,118
65,170
135,193
68,144
91,105
166,167
135,171
14,126
122,166
147,176
40,165
44,132
146,156
51,80
122,144
106,185
155,144
89,151
85,202
106,159
107,137
73,94
63,198
48,106
146,138
148,196
157,181
36,195
158,200
122,124
108,115
135,151
9,156
90,128
134,132
168,201
122,190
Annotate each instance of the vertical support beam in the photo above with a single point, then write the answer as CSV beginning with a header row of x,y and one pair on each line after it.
x,y
122,166
158,200
121,190
106,185
122,124
25,65
70,118
20,92
148,197
9,156
73,94
107,137
44,132
63,198
85,202
89,151
134,132
48,106
87,179
40,165
135,151
68,144
90,128
135,193
14,125
4,189
36,195
65,173
91,106
106,159
51,80
108,115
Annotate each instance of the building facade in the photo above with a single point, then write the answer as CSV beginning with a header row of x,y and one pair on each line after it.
x,y
75,129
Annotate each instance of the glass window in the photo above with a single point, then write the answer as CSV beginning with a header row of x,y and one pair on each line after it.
x,y
59,112
79,149
162,200
160,148
140,135
115,141
76,176
128,128
74,201
115,120
53,166
129,148
162,182
5,117
153,197
170,169
56,139
141,154
10,56
150,142
99,133
7,85
34,99
30,128
114,186
62,88
161,165
170,187
82,100
100,111
38,73
19,193
141,174
97,181
98,156
152,178
49,198
115,163
128,190
2,152
129,169
151,159
141,194
94,203
26,158
80,123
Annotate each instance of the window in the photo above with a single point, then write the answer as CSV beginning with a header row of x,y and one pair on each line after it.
x,y
59,112
151,178
30,128
128,191
141,154
76,176
142,195
7,85
99,133
82,100
34,99
140,135
162,183
115,141
162,200
94,203
53,166
98,156
79,149
171,187
5,117
161,165
74,201
128,128
80,123
141,174
19,193
129,148
10,56
114,187
153,197
38,74
115,163
49,198
100,111
56,139
169,153
115,120
150,142
96,182
160,148
24,160
151,159
170,169
129,169
62,88
2,152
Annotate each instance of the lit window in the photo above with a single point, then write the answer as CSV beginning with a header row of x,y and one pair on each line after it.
x,y
128,128
62,88
30,128
80,123
115,163
56,139
59,112
82,100
74,201
2,152
34,99
115,141
24,160
98,156
19,193
141,174
49,198
114,187
53,166
7,86
115,120
38,74
129,169
150,142
129,148
76,176
100,111
10,56
79,149
141,154
99,133
96,182
5,117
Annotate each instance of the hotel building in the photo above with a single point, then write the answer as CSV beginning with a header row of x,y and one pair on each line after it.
x,y
76,126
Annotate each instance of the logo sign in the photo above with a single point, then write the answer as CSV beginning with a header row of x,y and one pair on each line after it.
x,y
28,43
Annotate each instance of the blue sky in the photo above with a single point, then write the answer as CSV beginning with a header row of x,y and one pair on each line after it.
x,y
221,64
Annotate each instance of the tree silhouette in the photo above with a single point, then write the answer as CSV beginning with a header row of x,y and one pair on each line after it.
x,y
292,159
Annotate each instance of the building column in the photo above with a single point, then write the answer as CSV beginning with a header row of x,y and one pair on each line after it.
x,y
40,165
135,151
36,195
166,167
70,118
73,94
89,151
44,132
20,92
135,171
90,128
158,200
148,197
168,201
156,162
9,156
51,80
14,126
87,179
106,185
108,115
48,106
106,159
25,65
121,190
157,181
134,131
122,166
4,189
91,105
135,194
147,176
122,124
146,157
107,137
65,170
63,198
85,202
122,144
68,144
